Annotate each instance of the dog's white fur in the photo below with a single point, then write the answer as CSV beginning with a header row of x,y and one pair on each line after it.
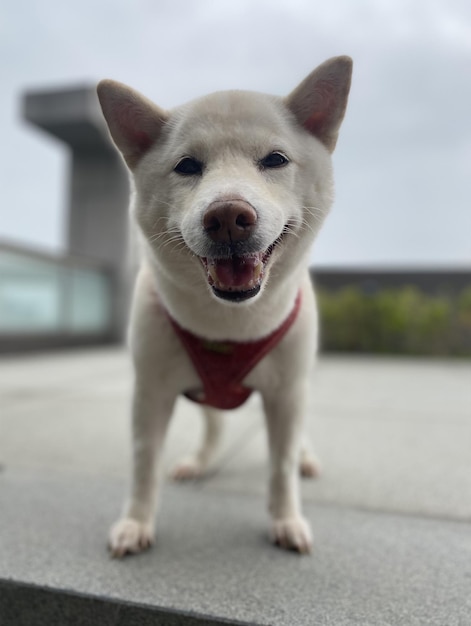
x,y
230,133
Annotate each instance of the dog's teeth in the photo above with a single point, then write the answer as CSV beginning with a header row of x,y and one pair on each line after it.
x,y
253,273
257,271
213,273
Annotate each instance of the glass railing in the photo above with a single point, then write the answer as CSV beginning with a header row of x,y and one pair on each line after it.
x,y
43,295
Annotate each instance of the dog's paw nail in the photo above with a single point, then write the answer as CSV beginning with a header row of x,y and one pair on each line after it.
x,y
128,536
292,534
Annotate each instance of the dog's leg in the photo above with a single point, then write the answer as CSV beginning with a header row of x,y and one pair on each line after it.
x,y
284,413
134,532
195,465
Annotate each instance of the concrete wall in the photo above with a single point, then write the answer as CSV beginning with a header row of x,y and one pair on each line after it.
x,y
369,280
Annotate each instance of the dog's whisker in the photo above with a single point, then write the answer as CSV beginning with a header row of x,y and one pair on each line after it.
x,y
157,200
314,212
165,233
316,215
172,239
306,226
176,243
157,220
289,230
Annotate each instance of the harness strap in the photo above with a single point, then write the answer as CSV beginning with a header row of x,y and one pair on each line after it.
x,y
223,365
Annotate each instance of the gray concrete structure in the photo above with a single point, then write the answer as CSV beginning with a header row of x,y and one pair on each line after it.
x,y
391,513
97,210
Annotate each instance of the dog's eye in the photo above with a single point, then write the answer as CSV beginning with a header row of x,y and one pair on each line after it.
x,y
188,167
274,159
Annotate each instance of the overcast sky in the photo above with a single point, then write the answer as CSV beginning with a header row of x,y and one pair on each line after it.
x,y
403,160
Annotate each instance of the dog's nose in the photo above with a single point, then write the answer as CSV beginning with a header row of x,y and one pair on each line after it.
x,y
226,221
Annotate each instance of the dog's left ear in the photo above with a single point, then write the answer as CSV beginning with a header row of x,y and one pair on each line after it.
x,y
319,102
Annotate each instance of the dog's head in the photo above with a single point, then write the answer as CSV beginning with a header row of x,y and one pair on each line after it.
x,y
234,185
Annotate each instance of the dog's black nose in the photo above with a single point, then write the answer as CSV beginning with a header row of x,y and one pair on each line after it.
x,y
228,221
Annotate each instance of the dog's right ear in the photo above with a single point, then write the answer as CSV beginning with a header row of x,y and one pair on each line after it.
x,y
135,123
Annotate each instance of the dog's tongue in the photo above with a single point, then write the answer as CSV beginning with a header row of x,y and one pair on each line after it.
x,y
238,272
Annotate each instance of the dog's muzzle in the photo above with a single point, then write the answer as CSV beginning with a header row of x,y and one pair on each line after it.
x,y
235,273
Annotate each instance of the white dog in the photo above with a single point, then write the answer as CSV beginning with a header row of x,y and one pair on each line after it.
x,y
230,192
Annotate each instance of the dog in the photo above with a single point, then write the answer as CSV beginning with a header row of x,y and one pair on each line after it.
x,y
229,192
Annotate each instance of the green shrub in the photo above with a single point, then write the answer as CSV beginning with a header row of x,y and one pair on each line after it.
x,y
397,321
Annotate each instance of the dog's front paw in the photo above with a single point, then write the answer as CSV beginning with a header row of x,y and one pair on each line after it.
x,y
309,467
189,468
292,533
128,536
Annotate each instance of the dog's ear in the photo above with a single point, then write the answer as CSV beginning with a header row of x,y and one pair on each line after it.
x,y
319,102
135,123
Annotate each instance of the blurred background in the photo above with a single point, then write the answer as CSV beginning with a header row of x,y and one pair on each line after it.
x,y
393,262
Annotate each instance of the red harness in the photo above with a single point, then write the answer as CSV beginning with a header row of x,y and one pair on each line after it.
x,y
223,365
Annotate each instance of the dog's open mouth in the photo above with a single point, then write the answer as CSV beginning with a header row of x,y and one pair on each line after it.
x,y
237,278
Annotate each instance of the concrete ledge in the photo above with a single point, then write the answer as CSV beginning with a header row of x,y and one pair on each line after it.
x,y
213,563
30,605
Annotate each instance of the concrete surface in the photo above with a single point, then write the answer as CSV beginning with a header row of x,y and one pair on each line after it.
x,y
391,513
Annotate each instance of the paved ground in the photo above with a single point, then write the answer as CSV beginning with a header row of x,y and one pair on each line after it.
x,y
391,513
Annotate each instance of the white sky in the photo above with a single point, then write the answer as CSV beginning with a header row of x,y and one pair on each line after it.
x,y
403,161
